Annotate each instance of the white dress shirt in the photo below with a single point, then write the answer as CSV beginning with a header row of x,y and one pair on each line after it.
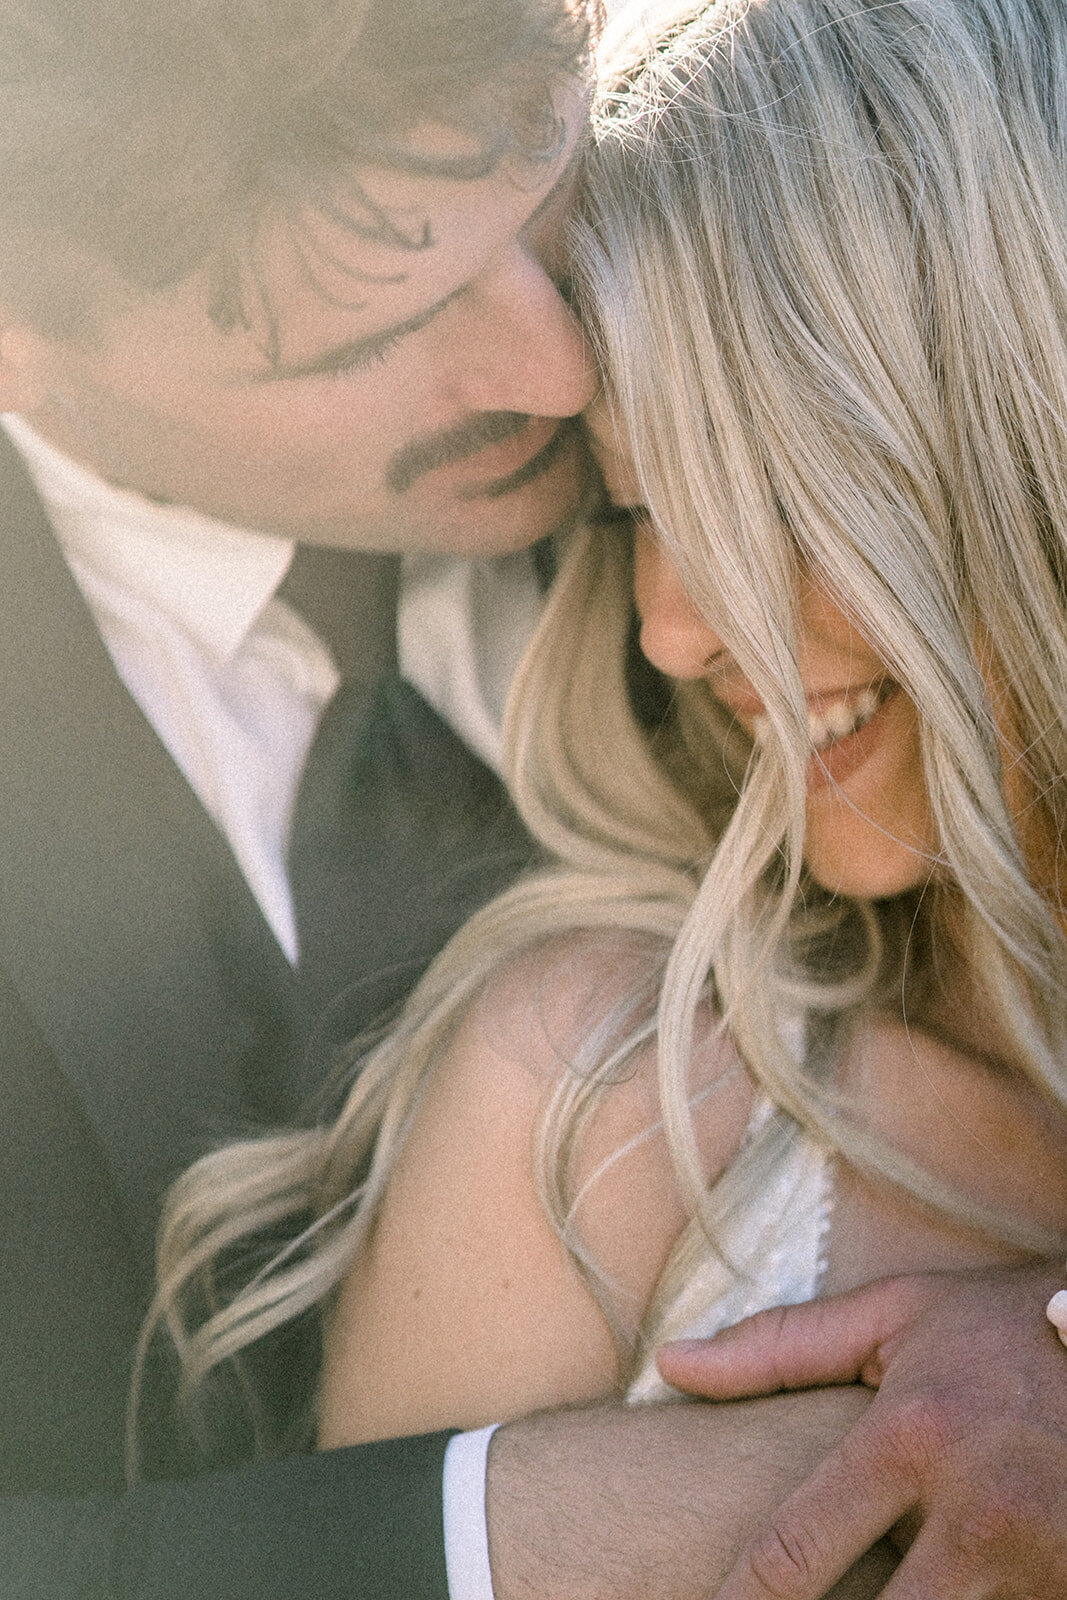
x,y
234,683
462,628
231,679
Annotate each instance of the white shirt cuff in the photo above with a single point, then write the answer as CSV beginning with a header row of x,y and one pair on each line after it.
x,y
466,1534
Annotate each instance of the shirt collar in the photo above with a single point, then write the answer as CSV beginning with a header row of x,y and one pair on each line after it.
x,y
211,578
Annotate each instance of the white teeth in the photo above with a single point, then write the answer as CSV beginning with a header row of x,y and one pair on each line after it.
x,y
842,718
835,721
838,717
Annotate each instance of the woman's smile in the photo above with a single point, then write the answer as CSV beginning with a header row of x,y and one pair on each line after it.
x,y
869,829
844,728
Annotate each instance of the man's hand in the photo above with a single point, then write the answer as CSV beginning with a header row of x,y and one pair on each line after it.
x,y
966,1438
654,1502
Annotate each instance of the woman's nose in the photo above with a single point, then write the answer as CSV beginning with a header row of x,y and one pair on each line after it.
x,y
674,636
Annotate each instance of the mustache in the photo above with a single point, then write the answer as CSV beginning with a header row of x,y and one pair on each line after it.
x,y
535,468
443,449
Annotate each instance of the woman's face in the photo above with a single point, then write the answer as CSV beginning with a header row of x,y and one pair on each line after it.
x,y
869,828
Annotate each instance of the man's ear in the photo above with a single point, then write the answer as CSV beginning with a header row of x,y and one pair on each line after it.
x,y
24,365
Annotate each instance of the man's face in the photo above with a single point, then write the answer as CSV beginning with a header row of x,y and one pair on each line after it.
x,y
415,395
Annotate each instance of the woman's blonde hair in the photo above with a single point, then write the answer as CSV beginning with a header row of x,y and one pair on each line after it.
x,y
824,252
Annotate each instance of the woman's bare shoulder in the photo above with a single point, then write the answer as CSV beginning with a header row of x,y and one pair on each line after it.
x,y
542,1008
582,999
983,1125
466,1305
583,1008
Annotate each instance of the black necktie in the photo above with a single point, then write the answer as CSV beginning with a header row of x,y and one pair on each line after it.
x,y
400,833
349,600
348,597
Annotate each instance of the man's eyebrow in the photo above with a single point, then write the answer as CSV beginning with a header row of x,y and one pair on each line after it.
x,y
364,349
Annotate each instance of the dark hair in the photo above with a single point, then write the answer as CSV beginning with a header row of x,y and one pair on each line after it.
x,y
151,134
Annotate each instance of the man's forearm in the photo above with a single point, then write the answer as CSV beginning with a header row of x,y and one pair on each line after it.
x,y
651,1502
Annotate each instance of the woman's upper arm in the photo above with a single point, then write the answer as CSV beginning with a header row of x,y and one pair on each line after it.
x,y
465,1307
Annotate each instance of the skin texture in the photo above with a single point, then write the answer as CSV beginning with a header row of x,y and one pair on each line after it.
x,y
465,1307
973,1449
608,1504
382,398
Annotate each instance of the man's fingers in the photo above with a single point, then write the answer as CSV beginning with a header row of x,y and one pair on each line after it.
x,y
988,1541
850,1501
835,1340
935,1566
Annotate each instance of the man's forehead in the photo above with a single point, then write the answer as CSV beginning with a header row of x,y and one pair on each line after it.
x,y
388,249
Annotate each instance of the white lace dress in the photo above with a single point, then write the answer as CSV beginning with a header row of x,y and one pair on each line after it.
x,y
776,1247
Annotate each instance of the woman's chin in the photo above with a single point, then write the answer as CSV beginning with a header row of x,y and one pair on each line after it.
x,y
858,859
869,831
875,885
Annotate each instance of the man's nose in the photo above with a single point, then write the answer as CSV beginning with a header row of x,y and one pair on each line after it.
x,y
674,636
526,349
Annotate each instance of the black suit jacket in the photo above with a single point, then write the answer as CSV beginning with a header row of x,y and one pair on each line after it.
x,y
146,1012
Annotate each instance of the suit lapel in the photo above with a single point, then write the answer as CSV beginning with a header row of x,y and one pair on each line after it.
x,y
124,919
